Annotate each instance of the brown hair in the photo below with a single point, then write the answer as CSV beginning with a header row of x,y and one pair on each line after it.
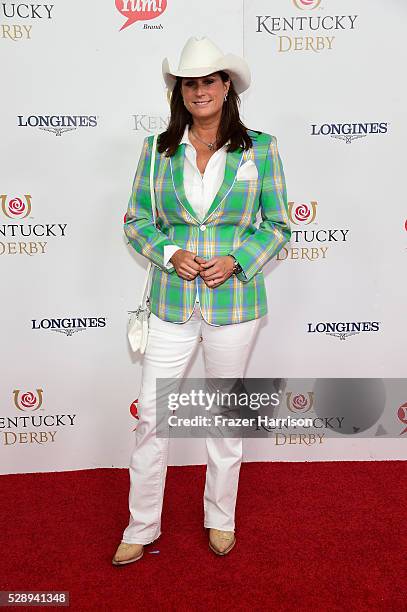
x,y
230,126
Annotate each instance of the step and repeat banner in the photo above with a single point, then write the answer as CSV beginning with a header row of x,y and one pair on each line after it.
x,y
81,89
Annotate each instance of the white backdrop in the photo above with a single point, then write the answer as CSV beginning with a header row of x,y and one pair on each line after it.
x,y
319,68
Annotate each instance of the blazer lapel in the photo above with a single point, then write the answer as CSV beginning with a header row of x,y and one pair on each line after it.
x,y
233,162
177,172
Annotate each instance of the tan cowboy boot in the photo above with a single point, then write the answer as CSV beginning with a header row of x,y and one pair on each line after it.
x,y
221,542
127,553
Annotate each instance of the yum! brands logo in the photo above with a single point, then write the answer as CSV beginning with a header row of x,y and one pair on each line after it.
x,y
309,242
141,10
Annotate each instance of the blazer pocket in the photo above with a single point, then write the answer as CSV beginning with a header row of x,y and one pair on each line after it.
x,y
247,172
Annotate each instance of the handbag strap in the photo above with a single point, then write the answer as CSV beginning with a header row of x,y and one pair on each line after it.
x,y
147,282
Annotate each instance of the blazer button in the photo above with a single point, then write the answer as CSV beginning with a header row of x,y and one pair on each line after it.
x,y
202,228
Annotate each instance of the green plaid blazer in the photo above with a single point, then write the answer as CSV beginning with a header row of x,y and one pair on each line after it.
x,y
228,229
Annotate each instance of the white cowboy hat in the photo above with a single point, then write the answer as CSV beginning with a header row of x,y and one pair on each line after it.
x,y
200,56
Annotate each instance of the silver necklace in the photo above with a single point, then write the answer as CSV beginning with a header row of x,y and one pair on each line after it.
x,y
210,145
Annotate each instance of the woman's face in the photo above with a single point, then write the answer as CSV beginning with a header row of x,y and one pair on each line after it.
x,y
204,96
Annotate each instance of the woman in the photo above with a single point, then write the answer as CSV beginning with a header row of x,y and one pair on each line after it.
x,y
212,175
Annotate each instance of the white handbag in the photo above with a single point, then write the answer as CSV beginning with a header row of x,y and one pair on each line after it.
x,y
137,327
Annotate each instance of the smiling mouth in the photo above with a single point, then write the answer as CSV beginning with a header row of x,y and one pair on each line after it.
x,y
202,103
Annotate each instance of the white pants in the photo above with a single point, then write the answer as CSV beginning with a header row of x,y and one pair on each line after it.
x,y
169,349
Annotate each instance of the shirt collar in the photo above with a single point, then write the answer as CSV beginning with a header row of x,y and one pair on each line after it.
x,y
185,138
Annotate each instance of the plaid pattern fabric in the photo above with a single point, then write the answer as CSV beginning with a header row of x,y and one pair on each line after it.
x,y
227,229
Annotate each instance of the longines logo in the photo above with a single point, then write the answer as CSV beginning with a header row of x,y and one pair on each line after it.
x,y
343,330
18,11
69,325
348,132
150,123
313,244
18,208
32,428
141,10
57,124
320,30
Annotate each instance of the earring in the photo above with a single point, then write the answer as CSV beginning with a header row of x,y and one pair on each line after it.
x,y
225,98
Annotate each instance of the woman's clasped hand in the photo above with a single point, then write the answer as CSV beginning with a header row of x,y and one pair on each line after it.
x,y
213,271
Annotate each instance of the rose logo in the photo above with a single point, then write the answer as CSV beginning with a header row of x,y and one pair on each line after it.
x,y
134,410
307,4
300,402
28,401
302,214
140,10
16,208
402,415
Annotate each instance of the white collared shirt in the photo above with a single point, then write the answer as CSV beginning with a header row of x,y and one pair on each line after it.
x,y
200,190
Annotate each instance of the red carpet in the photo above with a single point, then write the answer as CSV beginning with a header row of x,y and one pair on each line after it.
x,y
329,536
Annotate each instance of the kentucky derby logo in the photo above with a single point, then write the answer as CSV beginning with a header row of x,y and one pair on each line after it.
x,y
314,243
402,415
16,208
18,234
307,4
27,401
300,402
18,11
309,32
140,10
134,410
302,214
